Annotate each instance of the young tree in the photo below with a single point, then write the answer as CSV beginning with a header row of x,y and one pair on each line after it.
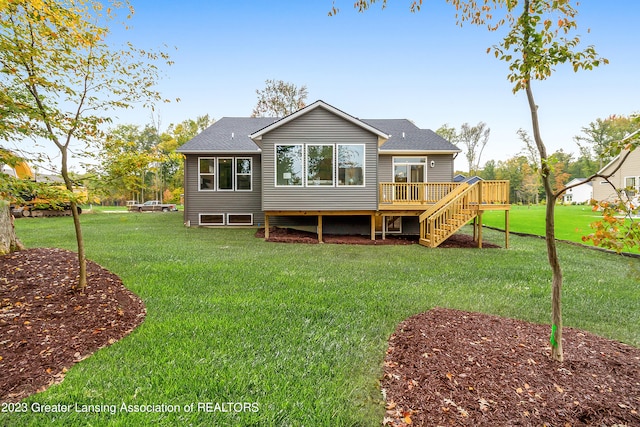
x,y
539,38
531,152
61,78
279,99
474,139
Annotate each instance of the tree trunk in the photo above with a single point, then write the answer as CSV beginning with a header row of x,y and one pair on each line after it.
x,y
8,240
82,260
552,253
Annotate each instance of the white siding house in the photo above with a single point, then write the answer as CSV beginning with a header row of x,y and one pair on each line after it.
x,y
583,193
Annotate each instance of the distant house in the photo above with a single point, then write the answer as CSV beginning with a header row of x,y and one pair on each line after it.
x,y
324,168
580,194
628,176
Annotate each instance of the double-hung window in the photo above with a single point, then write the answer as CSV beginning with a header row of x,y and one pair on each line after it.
x,y
207,173
631,185
243,174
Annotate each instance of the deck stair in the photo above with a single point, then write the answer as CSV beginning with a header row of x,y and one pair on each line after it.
x,y
447,216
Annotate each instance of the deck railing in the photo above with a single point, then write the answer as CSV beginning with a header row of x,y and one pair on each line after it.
x,y
427,193
419,193
494,192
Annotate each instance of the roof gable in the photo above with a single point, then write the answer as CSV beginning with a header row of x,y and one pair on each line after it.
x,y
604,171
256,136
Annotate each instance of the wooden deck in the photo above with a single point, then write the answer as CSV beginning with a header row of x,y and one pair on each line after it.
x,y
445,207
442,207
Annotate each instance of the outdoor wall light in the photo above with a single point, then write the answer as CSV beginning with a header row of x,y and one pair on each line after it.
x,y
433,163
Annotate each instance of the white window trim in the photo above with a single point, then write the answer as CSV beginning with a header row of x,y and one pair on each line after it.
x,y
386,224
364,166
275,166
236,174
336,166
211,223
239,213
333,166
635,178
214,173
393,165
233,175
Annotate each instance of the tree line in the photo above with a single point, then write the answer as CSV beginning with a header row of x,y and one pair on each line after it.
x,y
595,144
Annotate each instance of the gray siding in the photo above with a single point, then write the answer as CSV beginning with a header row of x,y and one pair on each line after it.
x,y
441,172
319,127
235,202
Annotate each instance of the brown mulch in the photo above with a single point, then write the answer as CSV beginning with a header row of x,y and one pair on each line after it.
x,y
453,368
46,327
290,235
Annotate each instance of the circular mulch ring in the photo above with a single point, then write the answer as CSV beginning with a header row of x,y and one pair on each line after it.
x,y
450,367
46,327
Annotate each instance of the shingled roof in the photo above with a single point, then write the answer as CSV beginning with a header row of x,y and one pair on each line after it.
x,y
233,135
406,136
229,134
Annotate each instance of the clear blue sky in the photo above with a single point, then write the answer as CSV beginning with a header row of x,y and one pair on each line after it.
x,y
381,64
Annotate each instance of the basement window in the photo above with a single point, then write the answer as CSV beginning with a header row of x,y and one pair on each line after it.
x,y
239,219
211,219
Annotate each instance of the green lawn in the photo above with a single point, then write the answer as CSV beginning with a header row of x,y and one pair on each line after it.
x,y
299,331
572,221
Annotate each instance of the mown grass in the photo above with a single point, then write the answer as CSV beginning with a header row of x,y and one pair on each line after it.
x,y
572,221
300,330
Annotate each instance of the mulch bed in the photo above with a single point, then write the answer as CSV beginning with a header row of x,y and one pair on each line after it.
x,y
453,368
46,327
290,235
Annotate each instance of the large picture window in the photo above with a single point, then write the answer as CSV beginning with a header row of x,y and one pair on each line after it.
x,y
206,173
350,164
315,165
289,165
319,165
243,174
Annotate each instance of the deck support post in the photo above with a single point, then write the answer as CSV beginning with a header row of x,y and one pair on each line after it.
x,y
373,226
320,229
479,219
506,229
475,228
266,226
384,227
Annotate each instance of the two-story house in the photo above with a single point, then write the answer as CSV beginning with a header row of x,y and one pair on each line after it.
x,y
321,167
